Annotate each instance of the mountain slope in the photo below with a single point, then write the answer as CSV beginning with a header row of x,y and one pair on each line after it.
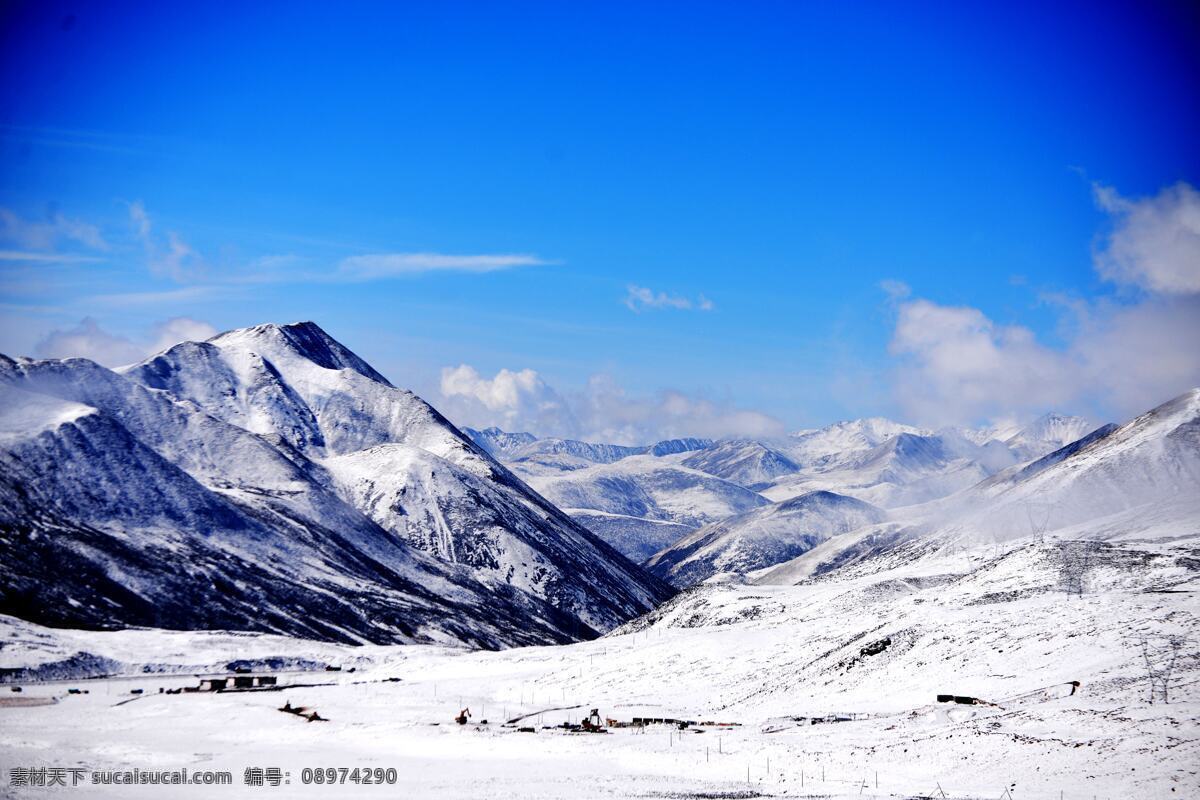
x,y
276,455
1151,462
549,455
641,503
904,469
748,463
808,447
100,529
648,487
761,538
1047,434
1137,481
499,444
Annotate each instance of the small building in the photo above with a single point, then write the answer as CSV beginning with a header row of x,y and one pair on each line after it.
x,y
237,682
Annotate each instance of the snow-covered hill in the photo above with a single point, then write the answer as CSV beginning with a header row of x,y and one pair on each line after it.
x,y
1062,682
498,443
761,538
904,469
305,492
810,446
551,454
1149,465
1047,434
748,463
641,488
1137,481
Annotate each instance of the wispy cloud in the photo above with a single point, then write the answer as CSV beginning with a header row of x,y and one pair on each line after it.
x,y
389,265
89,340
522,400
76,139
955,363
49,233
168,256
895,290
639,298
55,258
1154,242
184,294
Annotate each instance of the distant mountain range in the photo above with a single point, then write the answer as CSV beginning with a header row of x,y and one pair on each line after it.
x,y
269,479
643,500
1134,482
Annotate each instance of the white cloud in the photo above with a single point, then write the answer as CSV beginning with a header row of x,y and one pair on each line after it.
x,y
184,294
49,234
510,400
1116,359
895,290
170,256
1154,242
46,258
957,365
89,340
1138,356
179,329
602,411
389,265
639,298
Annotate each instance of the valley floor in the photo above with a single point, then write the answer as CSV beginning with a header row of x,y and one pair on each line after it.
x,y
876,647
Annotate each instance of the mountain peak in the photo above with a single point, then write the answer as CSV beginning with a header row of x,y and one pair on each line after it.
x,y
305,339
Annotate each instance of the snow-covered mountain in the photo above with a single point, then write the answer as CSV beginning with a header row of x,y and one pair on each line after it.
x,y
1148,468
840,438
904,469
748,463
762,537
866,633
1137,481
305,493
881,462
499,444
556,454
1047,434
643,504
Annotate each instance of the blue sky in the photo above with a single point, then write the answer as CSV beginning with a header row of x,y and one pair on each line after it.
x,y
819,205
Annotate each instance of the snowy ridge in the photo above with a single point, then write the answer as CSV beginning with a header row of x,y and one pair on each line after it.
x,y
1046,434
571,453
880,462
761,538
1137,481
750,464
806,447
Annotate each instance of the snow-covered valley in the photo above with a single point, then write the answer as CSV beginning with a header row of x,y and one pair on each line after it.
x,y
865,610
874,650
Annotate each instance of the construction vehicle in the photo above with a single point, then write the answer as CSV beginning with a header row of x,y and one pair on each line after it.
x,y
463,716
593,723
